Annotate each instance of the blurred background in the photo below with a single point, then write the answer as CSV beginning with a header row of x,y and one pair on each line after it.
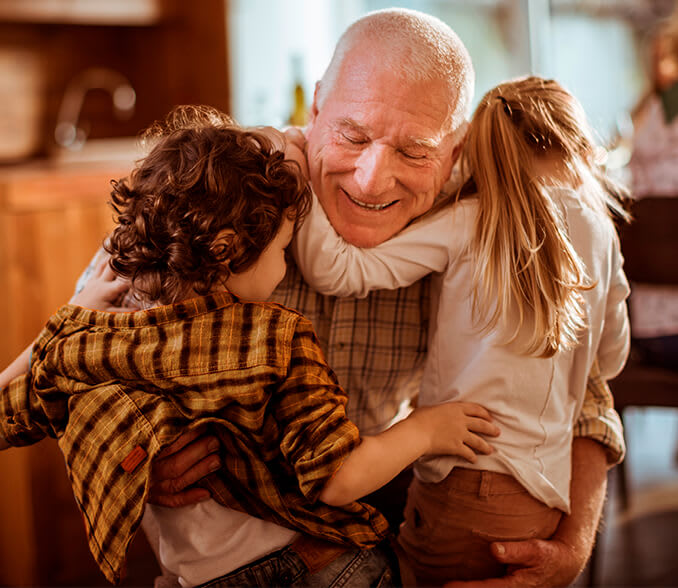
x,y
80,78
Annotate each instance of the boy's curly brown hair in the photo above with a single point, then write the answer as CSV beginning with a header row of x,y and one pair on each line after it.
x,y
202,205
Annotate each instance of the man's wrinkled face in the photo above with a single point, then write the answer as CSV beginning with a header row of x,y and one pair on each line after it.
x,y
379,150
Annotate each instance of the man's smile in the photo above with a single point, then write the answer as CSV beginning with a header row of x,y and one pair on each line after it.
x,y
366,205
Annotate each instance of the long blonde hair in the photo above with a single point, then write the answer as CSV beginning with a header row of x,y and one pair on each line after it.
x,y
525,267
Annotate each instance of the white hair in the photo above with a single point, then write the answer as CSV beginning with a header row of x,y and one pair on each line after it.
x,y
414,46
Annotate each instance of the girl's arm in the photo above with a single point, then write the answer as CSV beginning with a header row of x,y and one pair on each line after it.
x,y
334,267
454,428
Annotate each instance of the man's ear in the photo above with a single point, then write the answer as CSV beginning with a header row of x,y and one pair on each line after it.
x,y
313,111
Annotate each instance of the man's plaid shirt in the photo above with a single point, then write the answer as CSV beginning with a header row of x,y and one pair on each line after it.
x,y
377,346
116,388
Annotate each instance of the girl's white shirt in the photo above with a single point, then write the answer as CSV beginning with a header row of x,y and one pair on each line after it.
x,y
534,401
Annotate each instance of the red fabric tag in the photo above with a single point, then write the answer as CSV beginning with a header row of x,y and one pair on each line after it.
x,y
133,459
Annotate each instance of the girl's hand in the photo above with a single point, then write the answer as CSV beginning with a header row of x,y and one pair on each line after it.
x,y
295,148
455,428
295,136
292,141
103,290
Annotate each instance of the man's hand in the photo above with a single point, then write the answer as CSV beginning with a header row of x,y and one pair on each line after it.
x,y
532,563
103,289
190,458
558,561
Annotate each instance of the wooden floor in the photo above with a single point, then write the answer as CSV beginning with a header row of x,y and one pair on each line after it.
x,y
639,545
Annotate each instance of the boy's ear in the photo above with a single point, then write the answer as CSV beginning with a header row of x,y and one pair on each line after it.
x,y
224,242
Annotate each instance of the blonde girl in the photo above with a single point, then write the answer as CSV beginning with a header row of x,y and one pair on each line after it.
x,y
530,293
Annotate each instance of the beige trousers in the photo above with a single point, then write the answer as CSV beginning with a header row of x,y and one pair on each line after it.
x,y
449,526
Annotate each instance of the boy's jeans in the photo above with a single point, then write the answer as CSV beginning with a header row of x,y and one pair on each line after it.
x,y
358,568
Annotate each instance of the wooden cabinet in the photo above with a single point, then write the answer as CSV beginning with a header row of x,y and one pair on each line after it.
x,y
52,220
53,217
171,51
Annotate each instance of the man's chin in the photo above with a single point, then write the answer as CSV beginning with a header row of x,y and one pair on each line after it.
x,y
366,237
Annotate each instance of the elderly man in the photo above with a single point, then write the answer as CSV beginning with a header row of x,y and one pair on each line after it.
x,y
386,126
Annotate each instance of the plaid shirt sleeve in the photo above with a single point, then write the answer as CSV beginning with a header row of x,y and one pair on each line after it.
x,y
17,411
317,434
24,418
599,420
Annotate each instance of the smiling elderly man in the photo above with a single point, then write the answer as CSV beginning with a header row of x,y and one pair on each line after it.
x,y
386,126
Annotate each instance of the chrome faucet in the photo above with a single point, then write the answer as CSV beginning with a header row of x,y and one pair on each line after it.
x,y
68,133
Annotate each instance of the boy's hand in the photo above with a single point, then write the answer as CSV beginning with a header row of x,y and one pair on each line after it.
x,y
103,289
455,428
189,459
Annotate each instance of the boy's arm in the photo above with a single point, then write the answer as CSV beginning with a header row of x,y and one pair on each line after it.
x,y
22,418
334,267
448,429
324,448
99,292
17,368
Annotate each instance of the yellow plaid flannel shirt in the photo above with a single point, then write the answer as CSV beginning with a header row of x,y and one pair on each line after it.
x,y
377,347
116,388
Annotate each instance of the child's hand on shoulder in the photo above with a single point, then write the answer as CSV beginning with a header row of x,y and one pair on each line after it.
x,y
103,290
292,141
295,148
457,428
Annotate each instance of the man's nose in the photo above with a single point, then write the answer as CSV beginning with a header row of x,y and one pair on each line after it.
x,y
375,170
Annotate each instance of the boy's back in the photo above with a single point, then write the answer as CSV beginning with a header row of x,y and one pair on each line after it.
x,y
117,388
